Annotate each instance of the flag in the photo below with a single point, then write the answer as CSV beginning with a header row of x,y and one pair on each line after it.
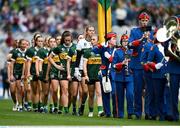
x,y
101,19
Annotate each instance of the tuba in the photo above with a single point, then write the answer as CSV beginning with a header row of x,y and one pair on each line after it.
x,y
171,30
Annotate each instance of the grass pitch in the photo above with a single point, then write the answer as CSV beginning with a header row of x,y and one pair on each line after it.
x,y
8,117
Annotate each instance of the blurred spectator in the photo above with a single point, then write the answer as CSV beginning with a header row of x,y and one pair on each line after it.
x,y
5,81
10,39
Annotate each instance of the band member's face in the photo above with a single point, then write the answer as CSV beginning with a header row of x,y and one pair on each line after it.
x,y
67,40
124,42
52,43
143,22
112,41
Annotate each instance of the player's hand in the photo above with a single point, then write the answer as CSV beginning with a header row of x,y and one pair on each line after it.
x,y
69,77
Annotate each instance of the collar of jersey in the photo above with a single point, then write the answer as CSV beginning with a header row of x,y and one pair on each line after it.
x,y
67,46
21,50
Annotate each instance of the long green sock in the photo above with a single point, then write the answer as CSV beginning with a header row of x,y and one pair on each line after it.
x,y
29,104
90,109
100,108
60,107
50,105
66,110
55,105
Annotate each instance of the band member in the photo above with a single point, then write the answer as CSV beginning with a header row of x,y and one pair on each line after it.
x,y
138,37
107,53
157,65
149,108
123,78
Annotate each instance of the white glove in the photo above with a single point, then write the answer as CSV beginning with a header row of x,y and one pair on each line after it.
x,y
77,74
107,55
158,65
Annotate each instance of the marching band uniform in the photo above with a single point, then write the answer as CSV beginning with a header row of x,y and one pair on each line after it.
x,y
157,64
136,44
106,53
123,80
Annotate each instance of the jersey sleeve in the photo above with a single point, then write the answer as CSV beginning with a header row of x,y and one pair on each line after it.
x,y
56,51
29,54
14,56
40,54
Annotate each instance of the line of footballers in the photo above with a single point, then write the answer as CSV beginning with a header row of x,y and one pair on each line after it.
x,y
43,74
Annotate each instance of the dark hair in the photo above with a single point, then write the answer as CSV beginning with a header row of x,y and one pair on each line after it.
x,y
65,34
21,40
36,35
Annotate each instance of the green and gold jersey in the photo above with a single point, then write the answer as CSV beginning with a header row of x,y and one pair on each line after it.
x,y
57,61
31,54
10,54
18,57
62,52
93,63
72,54
43,56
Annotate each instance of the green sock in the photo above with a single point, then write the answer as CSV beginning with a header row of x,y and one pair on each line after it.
x,y
55,105
34,106
66,110
60,107
40,104
29,103
100,108
50,105
90,109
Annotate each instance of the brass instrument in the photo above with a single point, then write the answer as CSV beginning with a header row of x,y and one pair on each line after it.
x,y
171,30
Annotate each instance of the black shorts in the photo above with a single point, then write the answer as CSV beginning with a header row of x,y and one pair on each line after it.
x,y
35,78
17,76
63,75
75,79
92,81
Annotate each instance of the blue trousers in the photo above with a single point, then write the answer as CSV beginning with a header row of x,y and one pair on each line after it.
x,y
174,89
121,88
138,84
149,95
106,100
159,86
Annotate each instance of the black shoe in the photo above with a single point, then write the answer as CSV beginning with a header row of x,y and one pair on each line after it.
x,y
129,116
55,110
138,117
50,110
59,112
153,118
147,117
81,110
101,114
168,118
